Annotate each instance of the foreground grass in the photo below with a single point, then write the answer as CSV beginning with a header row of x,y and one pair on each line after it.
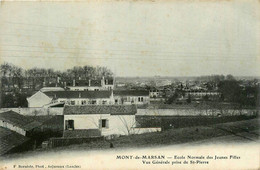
x,y
173,136
169,137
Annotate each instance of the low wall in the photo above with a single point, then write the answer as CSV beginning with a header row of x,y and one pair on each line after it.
x,y
146,130
196,112
57,142
39,111
36,111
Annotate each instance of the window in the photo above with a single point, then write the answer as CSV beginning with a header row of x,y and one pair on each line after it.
x,y
72,102
83,102
103,123
116,101
93,102
69,125
104,102
139,99
142,99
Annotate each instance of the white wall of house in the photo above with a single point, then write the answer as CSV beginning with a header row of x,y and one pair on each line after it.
x,y
12,127
117,124
146,130
39,99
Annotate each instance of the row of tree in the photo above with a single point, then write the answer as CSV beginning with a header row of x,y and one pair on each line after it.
x,y
13,75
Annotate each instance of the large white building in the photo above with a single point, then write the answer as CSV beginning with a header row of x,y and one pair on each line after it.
x,y
54,98
101,120
60,98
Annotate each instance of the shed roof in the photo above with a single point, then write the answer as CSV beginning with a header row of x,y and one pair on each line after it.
x,y
101,109
10,139
18,120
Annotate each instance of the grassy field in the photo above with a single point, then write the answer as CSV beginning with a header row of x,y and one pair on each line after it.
x,y
178,136
232,132
169,122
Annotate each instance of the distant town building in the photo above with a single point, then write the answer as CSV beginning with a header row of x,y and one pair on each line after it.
x,y
154,93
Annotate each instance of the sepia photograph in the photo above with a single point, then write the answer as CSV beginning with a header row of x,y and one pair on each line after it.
x,y
160,84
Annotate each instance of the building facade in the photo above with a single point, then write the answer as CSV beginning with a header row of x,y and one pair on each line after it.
x,y
90,84
128,97
107,119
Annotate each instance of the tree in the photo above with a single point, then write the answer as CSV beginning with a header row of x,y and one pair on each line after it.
x,y
230,90
172,98
128,124
189,99
230,77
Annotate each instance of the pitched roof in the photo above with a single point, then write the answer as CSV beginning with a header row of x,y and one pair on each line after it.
x,y
10,139
45,89
18,120
131,93
100,109
79,94
95,83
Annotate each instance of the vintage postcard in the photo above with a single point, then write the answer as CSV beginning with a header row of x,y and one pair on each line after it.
x,y
161,84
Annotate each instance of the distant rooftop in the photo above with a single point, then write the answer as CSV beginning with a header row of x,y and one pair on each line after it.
x,y
45,89
131,92
78,94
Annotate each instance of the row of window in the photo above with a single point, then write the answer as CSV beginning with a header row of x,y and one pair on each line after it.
x,y
84,102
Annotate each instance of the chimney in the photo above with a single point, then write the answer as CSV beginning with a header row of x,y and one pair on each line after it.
x,y
65,84
89,81
79,95
74,82
103,81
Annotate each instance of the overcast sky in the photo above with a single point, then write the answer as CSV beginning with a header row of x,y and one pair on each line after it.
x,y
167,38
